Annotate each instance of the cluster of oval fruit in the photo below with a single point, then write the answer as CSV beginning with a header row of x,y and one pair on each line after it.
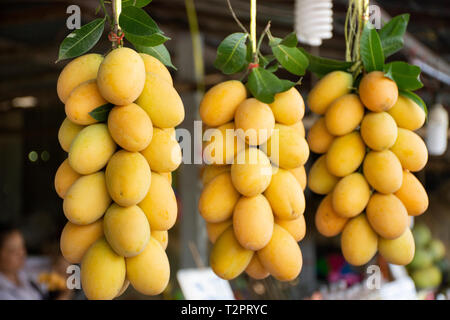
x,y
116,181
369,151
253,201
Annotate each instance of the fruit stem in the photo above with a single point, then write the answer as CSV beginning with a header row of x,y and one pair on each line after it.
x,y
236,18
117,41
253,25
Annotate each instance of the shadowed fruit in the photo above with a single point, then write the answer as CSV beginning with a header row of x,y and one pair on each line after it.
x,y
91,149
300,174
126,229
344,115
221,144
398,251
65,177
160,204
328,222
214,230
256,270
209,172
346,154
155,66
383,171
161,102
149,271
329,88
319,138
77,71
130,127
253,222
358,241
410,150
102,272
377,92
128,178
296,227
218,199
121,76
387,215
351,195
285,195
228,258
288,107
76,240
87,199
281,257
163,154
379,130
407,114
412,194
67,133
221,101
254,121
320,180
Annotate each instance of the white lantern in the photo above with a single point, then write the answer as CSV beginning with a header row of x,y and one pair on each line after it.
x,y
437,129
313,21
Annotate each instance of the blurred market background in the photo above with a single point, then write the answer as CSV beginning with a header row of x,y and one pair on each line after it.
x,y
30,116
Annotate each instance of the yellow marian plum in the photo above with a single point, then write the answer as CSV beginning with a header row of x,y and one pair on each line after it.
x,y
67,133
407,114
398,251
328,222
412,194
351,195
383,171
319,138
65,177
346,154
378,92
379,130
84,99
222,144
344,115
155,66
320,180
410,150
288,107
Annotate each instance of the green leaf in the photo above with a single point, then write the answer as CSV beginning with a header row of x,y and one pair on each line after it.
x,y
232,53
414,97
101,113
274,41
286,85
273,68
147,41
371,51
292,59
136,3
322,66
405,75
264,61
263,85
81,40
136,21
290,40
391,35
159,52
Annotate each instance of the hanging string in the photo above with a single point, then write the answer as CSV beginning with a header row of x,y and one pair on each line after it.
x,y
253,25
116,35
356,18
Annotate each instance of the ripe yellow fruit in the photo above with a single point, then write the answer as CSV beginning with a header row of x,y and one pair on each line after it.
x,y
87,199
329,88
286,148
76,240
398,251
221,101
121,76
149,271
299,127
67,133
163,154
288,107
228,258
251,172
285,195
328,222
377,92
387,215
77,71
256,270
320,180
351,195
65,177
300,174
161,102
214,230
155,66
407,114
412,194
210,172
282,256
296,227
167,175
222,144
344,115
102,272
319,139
218,199
128,178
125,286
162,237
84,99
253,222
383,171
379,130
130,127
91,149
410,150
346,154
126,229
358,241
254,121
160,204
